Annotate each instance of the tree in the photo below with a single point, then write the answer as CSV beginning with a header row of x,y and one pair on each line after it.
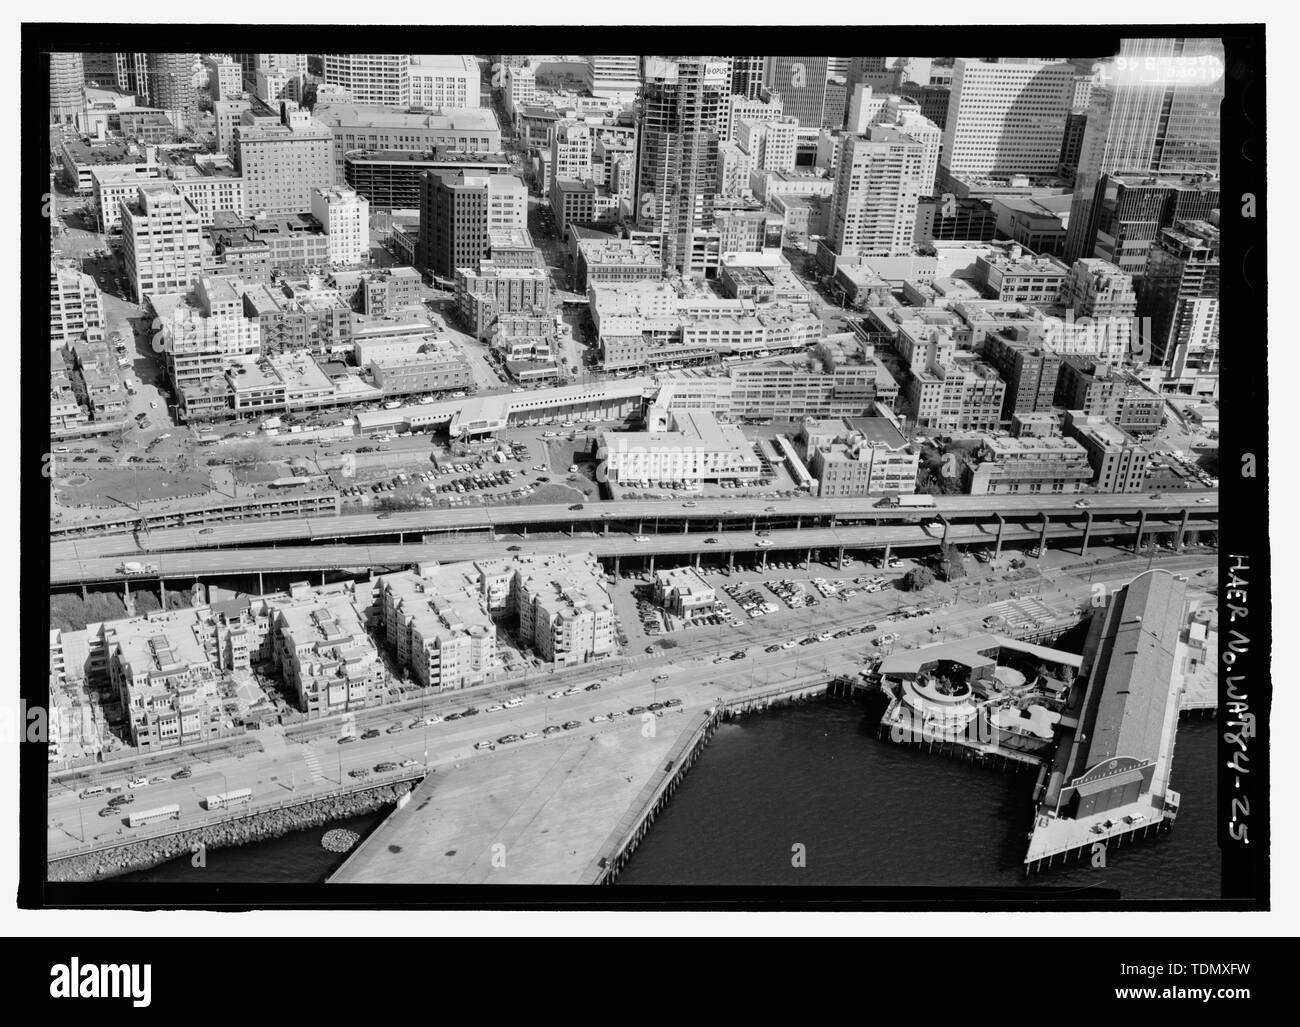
x,y
948,563
918,579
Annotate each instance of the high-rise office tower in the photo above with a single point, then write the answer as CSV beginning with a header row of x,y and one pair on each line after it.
x,y
1129,212
67,86
747,76
801,82
1006,118
684,105
838,66
101,68
617,76
1145,121
131,74
458,213
878,180
1180,294
171,83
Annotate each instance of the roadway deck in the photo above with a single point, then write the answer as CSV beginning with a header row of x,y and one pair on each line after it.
x,y
766,512
186,564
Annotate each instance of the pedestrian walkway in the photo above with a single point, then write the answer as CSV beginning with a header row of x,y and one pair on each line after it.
x,y
312,759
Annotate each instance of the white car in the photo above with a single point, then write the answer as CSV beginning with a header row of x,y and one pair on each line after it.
x,y
513,703
409,763
494,708
137,782
485,745
557,694
764,543
646,538
1082,504
435,719
1206,499
789,645
598,718
529,734
572,691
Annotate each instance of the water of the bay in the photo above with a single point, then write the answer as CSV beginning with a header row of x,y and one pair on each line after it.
x,y
865,812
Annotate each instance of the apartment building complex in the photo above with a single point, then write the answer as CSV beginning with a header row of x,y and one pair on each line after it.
x,y
76,304
858,456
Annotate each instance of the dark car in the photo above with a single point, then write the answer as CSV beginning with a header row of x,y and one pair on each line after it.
x,y
205,531
121,800
655,706
110,811
551,730
471,712
738,655
385,516
347,738
635,710
182,774
452,716
569,725
672,702
593,687
772,649
576,506
359,772
709,541
808,641
384,768
372,733
513,549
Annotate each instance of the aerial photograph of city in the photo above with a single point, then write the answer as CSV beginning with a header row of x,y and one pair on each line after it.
x,y
631,470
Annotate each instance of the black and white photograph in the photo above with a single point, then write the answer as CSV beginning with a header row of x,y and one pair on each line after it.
x,y
735,481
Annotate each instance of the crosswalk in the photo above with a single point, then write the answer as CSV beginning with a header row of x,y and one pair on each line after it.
x,y
312,759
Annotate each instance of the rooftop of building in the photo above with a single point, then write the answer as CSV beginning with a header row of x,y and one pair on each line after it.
x,y
1129,686
432,155
974,651
355,115
85,151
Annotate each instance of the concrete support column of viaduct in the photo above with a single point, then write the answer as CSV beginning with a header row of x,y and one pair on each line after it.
x,y
944,521
1182,529
1142,524
1042,535
1087,532
997,549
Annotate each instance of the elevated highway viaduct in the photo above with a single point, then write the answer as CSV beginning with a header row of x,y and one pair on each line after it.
x,y
614,547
